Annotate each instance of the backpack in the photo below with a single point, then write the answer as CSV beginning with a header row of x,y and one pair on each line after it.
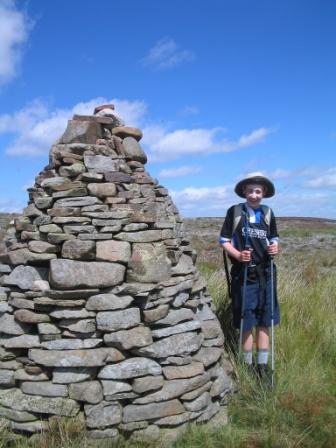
x,y
238,213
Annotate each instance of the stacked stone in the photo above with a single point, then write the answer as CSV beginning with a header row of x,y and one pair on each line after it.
x,y
102,310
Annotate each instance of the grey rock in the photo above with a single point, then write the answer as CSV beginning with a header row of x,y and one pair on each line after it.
x,y
7,378
102,415
59,238
72,375
95,236
173,345
17,416
67,274
22,375
147,384
78,326
24,256
155,314
73,170
127,339
208,355
186,371
116,213
44,202
112,388
115,251
133,413
176,420
70,220
15,399
71,344
75,358
71,314
10,365
50,228
44,389
221,385
184,266
210,411
71,294
180,299
92,177
108,301
199,403
9,325
174,317
189,396
118,320
76,229
211,329
148,263
41,247
127,131
29,317
102,190
24,276
88,391
133,150
130,368
118,177
109,433
77,201
23,341
100,164
144,236
30,427
174,388
176,329
206,313
81,132
47,328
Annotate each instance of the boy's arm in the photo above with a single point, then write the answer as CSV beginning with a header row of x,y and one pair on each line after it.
x,y
273,247
226,236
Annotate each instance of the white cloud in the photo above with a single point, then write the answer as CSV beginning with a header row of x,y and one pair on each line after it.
x,y
179,172
14,30
324,180
167,54
164,145
36,127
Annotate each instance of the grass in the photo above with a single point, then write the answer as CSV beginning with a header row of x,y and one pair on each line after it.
x,y
299,412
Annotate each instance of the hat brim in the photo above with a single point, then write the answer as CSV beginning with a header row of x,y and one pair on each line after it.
x,y
269,187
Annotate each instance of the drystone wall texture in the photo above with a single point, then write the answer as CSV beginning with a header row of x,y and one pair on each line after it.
x,y
102,310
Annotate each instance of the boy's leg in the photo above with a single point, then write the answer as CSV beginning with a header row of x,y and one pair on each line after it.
x,y
248,346
262,342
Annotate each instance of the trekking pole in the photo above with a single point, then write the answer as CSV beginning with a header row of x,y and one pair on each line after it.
x,y
272,323
242,315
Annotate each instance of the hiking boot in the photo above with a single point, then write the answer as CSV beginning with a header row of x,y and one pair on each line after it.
x,y
265,375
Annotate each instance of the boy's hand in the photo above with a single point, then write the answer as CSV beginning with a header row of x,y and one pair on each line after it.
x,y
273,249
245,256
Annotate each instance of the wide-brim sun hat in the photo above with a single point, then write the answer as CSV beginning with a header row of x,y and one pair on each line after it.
x,y
262,180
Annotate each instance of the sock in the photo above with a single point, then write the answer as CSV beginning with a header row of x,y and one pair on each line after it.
x,y
262,356
248,357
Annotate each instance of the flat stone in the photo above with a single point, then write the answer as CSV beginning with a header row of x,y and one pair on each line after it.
x,y
173,345
187,371
109,433
133,150
75,358
199,403
118,320
127,339
24,276
30,427
67,274
211,329
72,375
71,344
208,355
130,368
17,416
175,420
148,263
15,399
46,301
29,317
10,365
174,317
9,325
153,315
71,314
47,328
95,236
81,132
44,389
102,415
147,384
135,227
116,213
102,190
133,413
115,251
64,211
100,164
112,388
23,341
59,238
43,202
189,396
76,229
78,325
209,413
145,236
92,177
70,220
22,375
77,201
6,355
88,391
108,301
79,250
71,294
176,329
118,177
206,313
7,378
127,131
222,384
174,388
41,247
72,170
59,183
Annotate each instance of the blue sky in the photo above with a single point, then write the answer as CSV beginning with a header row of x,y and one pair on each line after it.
x,y
221,89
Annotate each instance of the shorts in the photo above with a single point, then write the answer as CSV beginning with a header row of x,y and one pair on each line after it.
x,y
258,299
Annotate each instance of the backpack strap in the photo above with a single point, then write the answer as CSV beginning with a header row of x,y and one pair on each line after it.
x,y
267,214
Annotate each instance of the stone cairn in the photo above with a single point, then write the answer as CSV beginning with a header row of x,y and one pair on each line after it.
x,y
102,310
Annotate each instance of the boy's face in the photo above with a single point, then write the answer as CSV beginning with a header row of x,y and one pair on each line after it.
x,y
254,194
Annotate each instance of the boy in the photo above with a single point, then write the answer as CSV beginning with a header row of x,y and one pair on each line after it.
x,y
252,243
